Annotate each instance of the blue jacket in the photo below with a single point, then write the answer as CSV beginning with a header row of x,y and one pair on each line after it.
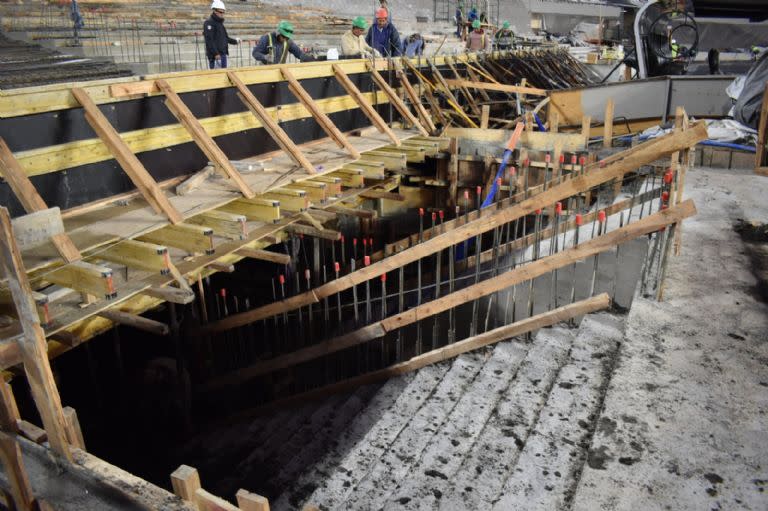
x,y
270,51
386,41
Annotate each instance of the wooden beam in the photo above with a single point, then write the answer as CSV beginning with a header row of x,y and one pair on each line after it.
x,y
186,481
470,99
263,210
201,137
426,119
484,117
290,200
359,213
137,254
143,181
209,502
395,99
30,199
84,277
248,501
365,106
171,294
509,278
264,255
134,321
222,267
608,124
192,238
651,150
497,87
545,319
16,473
586,123
32,343
226,225
380,194
270,125
323,120
306,230
194,181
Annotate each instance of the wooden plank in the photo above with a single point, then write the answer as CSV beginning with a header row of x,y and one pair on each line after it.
x,y
290,200
426,119
21,490
585,129
137,254
30,199
484,117
264,255
202,138
186,481
497,87
85,277
143,181
323,120
394,98
359,213
9,410
192,238
275,131
380,194
134,321
194,181
248,501
470,100
762,136
34,229
171,294
306,230
226,225
365,106
608,124
509,278
32,344
260,209
209,502
595,175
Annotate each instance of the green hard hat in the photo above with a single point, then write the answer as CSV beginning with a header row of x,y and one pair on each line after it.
x,y
360,22
285,29
505,25
476,24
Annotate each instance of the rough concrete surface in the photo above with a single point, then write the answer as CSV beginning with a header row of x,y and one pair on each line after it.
x,y
684,424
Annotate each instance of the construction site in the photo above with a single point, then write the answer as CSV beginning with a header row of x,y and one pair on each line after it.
x,y
529,276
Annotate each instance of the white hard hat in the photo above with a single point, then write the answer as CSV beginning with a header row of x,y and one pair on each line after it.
x,y
218,4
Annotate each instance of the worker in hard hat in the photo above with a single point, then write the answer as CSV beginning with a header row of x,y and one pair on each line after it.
x,y
383,36
477,40
217,40
353,43
273,48
504,39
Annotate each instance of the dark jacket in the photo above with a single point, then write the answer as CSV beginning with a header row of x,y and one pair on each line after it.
x,y
386,41
270,51
217,40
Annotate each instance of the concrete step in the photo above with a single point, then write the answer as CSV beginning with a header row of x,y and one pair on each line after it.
x,y
398,457
385,400
494,454
432,476
550,464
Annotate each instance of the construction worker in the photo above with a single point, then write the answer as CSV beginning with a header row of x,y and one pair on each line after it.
x,y
273,48
477,40
460,19
504,38
353,43
413,46
383,36
217,40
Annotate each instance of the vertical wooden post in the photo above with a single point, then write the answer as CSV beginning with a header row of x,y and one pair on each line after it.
x,y
486,112
10,454
74,433
586,123
248,501
608,124
33,347
453,171
554,121
186,481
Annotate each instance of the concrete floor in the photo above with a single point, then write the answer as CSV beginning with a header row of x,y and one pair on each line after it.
x,y
684,424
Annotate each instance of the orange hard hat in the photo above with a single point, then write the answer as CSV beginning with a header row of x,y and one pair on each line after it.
x,y
381,13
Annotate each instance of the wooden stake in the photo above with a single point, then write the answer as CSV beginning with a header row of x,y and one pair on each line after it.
x,y
608,124
202,138
33,346
186,481
484,117
32,202
586,122
248,501
148,187
273,128
74,433
322,119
